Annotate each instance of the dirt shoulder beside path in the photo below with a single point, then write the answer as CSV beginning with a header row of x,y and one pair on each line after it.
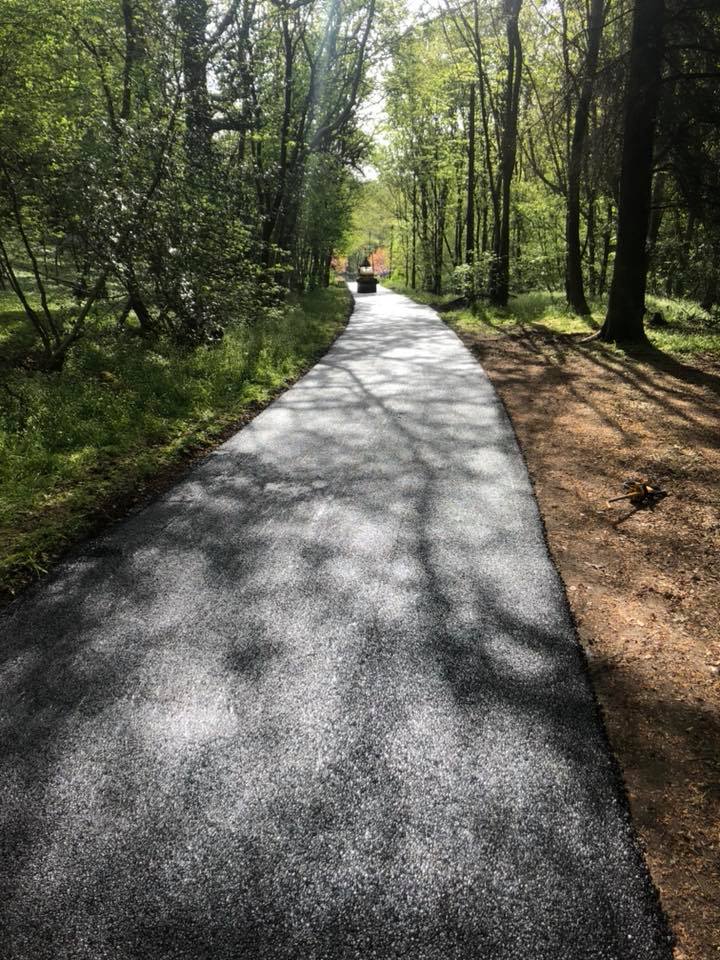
x,y
644,585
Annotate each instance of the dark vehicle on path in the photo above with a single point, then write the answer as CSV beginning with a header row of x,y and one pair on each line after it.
x,y
366,279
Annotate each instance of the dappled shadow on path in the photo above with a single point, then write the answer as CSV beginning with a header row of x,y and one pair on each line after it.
x,y
323,699
643,582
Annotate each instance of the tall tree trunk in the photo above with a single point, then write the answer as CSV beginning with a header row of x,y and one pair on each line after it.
x,y
406,239
413,275
592,246
441,212
470,206
607,248
484,236
500,268
574,285
277,229
192,20
626,308
425,244
458,252
656,213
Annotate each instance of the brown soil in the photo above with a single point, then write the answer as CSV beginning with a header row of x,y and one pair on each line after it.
x,y
643,584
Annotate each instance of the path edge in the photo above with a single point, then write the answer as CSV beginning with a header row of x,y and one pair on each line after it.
x,y
616,773
116,510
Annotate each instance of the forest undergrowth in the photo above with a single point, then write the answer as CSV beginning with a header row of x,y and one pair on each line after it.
x,y
78,446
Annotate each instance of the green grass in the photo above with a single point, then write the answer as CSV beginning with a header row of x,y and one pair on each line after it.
x,y
420,296
121,411
17,337
691,331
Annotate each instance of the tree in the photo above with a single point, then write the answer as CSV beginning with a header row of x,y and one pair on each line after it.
x,y
182,162
499,283
574,282
471,186
626,307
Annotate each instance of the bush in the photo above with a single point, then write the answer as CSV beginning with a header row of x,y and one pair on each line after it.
x,y
470,281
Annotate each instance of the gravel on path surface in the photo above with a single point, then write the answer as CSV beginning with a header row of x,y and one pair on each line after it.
x,y
322,700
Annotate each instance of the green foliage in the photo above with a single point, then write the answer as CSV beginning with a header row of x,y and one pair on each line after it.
x,y
373,222
325,222
423,162
690,333
425,168
463,281
122,172
121,409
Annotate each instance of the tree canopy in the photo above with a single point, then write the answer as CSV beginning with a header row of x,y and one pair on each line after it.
x,y
188,159
175,163
556,145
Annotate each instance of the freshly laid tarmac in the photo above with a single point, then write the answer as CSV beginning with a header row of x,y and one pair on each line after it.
x,y
322,700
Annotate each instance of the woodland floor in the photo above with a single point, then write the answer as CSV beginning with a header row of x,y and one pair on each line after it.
x,y
643,584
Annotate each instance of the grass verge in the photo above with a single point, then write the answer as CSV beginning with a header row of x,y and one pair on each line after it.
x,y
690,331
79,447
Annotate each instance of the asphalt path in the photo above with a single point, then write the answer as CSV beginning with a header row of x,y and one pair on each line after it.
x,y
322,700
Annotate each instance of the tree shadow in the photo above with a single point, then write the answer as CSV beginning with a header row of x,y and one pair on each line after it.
x,y
554,351
665,362
321,699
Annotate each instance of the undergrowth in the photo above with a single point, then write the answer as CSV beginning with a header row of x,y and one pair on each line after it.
x,y
122,410
690,331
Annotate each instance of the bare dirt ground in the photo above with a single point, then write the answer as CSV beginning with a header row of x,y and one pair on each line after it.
x,y
643,584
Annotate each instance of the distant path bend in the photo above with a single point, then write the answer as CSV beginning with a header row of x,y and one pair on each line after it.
x,y
321,701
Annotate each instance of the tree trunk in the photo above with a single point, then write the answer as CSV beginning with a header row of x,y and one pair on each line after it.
x,y
425,244
574,285
592,246
470,208
192,20
441,207
656,213
484,235
499,283
413,275
626,308
607,249
458,252
406,240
